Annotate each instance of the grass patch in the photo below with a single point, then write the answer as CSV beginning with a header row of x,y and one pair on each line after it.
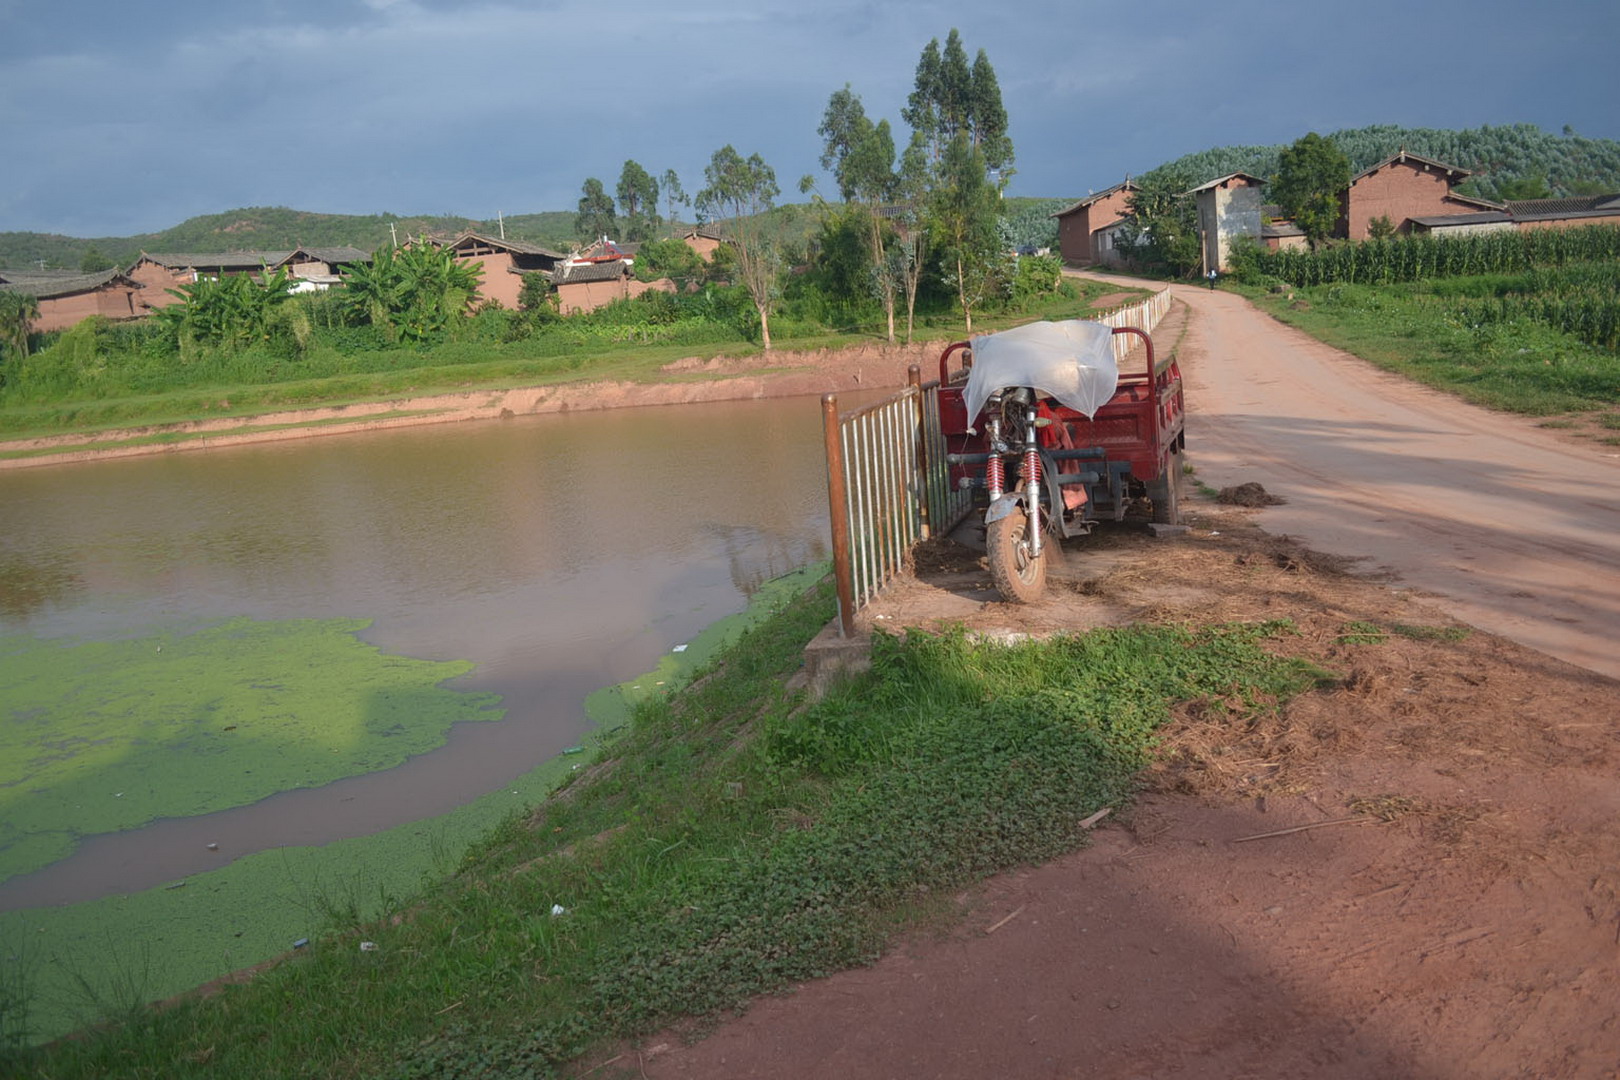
x,y
729,841
1361,633
1516,365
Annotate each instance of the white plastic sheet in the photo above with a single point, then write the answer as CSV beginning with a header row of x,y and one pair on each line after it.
x,y
1072,361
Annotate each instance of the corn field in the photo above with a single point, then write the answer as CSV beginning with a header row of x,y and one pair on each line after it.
x,y
1582,300
1417,258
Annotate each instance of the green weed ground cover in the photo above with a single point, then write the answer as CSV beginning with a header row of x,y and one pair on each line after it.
x,y
730,840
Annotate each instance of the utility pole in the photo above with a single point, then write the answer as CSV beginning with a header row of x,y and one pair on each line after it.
x,y
501,221
394,233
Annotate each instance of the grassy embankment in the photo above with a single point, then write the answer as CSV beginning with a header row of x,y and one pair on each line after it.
x,y
96,393
731,839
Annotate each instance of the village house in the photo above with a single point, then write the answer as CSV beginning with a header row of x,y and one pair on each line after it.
x,y
317,269
504,263
68,297
1080,224
704,240
1228,207
1403,188
1565,213
587,284
158,273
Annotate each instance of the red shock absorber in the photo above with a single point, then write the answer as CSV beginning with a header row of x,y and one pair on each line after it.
x,y
995,475
1031,468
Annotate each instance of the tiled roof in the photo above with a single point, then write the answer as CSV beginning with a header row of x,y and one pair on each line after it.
x,y
44,284
518,247
229,260
1437,221
1123,185
1404,157
1219,180
576,273
1581,206
333,256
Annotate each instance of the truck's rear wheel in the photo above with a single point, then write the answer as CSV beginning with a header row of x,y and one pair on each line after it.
x,y
1165,492
1019,578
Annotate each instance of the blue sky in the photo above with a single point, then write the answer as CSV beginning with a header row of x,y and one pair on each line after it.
x,y
121,118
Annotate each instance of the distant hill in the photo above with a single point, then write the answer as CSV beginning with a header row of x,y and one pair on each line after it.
x,y
1570,164
267,228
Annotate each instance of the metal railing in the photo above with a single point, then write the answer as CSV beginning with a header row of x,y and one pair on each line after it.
x,y
888,485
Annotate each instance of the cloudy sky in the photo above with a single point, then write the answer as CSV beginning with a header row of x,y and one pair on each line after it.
x,y
119,118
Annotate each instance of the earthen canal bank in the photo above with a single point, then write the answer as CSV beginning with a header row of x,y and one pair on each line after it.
x,y
779,374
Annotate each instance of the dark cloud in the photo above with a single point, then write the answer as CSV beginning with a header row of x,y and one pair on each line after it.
x,y
121,118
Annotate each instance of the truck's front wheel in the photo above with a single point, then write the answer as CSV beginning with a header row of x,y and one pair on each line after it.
x,y
1020,577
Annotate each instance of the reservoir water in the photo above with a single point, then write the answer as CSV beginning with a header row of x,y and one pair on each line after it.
x,y
560,554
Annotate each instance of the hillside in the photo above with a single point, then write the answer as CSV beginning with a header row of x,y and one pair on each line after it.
x,y
262,228
1570,164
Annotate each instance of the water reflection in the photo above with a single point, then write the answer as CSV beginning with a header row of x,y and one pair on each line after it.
x,y
558,553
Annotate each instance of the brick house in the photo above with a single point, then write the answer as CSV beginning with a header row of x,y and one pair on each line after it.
x,y
1565,213
1228,207
504,263
158,273
586,286
1402,188
1078,225
703,240
314,269
68,297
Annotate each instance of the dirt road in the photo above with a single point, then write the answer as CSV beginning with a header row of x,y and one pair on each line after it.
x,y
1515,529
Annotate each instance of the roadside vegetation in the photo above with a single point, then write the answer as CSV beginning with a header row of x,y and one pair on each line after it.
x,y
731,839
1527,322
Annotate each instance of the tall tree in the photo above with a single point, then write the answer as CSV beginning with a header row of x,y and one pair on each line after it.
x,y
742,192
674,194
908,258
638,201
861,157
1311,174
596,217
990,117
963,208
922,106
843,126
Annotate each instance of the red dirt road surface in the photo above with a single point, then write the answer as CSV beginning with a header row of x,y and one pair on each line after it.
x,y
1413,872
1515,528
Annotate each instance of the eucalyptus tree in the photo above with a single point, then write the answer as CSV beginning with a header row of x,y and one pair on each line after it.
x,y
860,155
742,193
596,217
963,208
674,194
638,201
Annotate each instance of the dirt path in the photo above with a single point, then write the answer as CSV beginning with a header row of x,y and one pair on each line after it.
x,y
1516,530
1413,873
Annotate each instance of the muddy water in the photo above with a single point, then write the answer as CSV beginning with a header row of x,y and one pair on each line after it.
x,y
560,553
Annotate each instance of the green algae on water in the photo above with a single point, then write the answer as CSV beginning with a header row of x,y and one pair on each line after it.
x,y
103,736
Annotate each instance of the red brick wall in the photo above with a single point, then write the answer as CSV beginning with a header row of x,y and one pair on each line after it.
x,y
1075,230
1399,191
498,282
1568,223
156,279
61,312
